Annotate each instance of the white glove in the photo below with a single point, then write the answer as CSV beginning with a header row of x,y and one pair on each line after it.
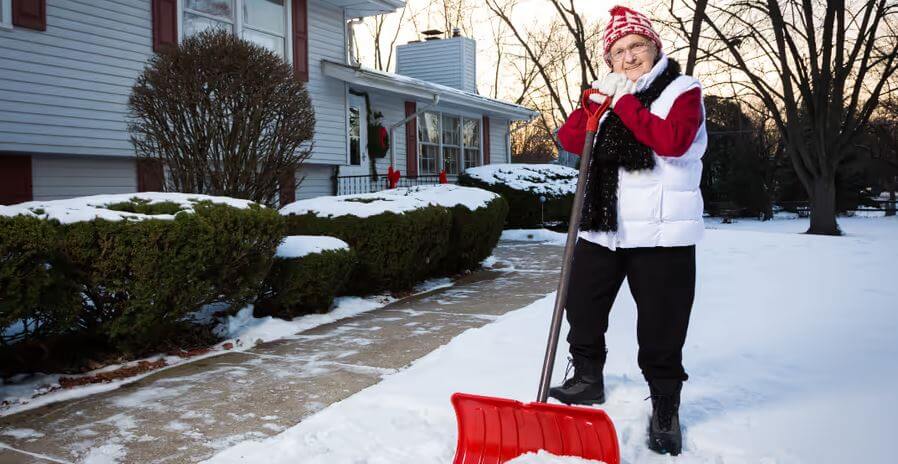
x,y
615,85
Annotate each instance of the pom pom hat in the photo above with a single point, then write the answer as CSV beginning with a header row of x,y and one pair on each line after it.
x,y
626,21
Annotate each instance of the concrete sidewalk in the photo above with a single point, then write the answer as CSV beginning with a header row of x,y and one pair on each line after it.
x,y
187,413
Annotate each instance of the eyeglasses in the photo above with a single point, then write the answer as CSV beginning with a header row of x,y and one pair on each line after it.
x,y
635,49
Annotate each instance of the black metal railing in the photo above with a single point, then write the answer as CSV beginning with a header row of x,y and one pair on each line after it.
x,y
350,185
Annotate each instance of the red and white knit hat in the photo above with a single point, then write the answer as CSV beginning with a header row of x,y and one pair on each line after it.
x,y
626,21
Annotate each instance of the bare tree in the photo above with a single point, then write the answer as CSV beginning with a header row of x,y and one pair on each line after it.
x,y
819,68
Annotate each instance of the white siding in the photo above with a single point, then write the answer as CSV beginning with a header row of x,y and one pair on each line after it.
x,y
315,180
55,177
450,62
326,39
65,90
498,141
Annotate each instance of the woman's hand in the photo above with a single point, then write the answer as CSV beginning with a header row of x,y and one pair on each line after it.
x,y
614,85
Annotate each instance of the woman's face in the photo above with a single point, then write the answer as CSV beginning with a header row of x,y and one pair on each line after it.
x,y
632,55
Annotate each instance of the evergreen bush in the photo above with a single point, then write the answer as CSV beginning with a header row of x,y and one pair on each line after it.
x,y
298,286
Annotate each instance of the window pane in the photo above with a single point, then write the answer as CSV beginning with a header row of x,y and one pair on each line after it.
x,y
194,24
271,42
450,160
428,128
429,158
223,8
266,14
472,158
355,153
451,130
472,133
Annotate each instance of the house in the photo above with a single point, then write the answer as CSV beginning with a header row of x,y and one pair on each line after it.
x,y
67,67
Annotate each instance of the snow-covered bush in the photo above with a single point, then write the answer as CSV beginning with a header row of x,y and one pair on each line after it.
x,y
399,240
478,217
144,261
37,295
523,185
307,274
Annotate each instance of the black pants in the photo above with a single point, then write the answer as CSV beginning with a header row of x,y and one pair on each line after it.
x,y
662,281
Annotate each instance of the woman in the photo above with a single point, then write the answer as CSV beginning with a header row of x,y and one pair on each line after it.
x,y
642,216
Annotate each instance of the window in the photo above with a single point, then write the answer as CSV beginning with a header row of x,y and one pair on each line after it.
x,y
447,142
355,137
263,22
5,14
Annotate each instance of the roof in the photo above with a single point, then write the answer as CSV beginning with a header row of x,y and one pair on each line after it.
x,y
363,8
424,90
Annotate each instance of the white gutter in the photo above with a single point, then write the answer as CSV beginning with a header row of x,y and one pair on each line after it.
x,y
436,99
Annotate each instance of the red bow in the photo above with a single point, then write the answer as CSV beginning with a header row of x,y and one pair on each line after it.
x,y
392,176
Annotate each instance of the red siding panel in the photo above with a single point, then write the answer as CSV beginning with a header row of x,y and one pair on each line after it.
x,y
165,24
486,140
411,141
301,40
150,175
287,192
15,179
31,14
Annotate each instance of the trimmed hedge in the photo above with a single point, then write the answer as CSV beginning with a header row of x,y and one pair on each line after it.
x,y
141,278
474,234
394,250
306,285
524,209
136,280
35,281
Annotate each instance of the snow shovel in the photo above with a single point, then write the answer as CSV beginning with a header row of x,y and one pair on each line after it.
x,y
496,430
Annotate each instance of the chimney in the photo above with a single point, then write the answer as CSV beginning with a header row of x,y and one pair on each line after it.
x,y
451,61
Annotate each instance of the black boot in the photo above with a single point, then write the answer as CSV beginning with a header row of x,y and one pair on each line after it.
x,y
664,429
585,387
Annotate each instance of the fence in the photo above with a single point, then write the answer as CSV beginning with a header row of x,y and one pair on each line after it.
x,y
350,185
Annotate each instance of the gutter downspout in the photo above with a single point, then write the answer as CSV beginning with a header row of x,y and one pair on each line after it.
x,y
436,99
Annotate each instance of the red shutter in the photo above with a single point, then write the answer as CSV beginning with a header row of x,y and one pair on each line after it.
x,y
150,175
287,192
31,14
486,140
301,40
411,141
165,23
15,179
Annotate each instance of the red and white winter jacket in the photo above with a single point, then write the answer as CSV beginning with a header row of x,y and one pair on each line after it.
x,y
662,206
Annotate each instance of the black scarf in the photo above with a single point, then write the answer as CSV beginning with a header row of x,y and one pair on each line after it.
x,y
617,147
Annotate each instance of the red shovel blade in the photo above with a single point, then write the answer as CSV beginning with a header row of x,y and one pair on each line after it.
x,y
496,430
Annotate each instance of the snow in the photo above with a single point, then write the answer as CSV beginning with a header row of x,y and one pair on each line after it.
x,y
790,354
542,457
297,246
398,200
552,180
89,208
535,235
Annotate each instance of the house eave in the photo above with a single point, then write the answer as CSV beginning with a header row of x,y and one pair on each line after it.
x,y
364,8
423,90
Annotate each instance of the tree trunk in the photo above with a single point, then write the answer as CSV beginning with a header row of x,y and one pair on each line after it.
x,y
823,207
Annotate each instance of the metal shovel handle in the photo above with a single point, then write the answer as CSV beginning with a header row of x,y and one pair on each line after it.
x,y
592,125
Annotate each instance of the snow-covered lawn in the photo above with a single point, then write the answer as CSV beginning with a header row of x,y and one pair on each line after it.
x,y
792,356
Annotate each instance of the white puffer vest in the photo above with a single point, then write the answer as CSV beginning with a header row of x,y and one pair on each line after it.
x,y
661,207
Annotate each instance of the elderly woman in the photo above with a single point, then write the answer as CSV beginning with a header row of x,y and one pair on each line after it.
x,y
642,216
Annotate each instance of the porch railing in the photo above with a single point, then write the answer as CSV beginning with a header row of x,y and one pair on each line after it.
x,y
350,185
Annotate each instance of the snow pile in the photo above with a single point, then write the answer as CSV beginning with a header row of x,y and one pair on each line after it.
x,y
783,354
81,209
297,246
543,457
545,179
397,201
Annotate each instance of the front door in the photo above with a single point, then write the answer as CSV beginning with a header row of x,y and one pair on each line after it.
x,y
358,139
